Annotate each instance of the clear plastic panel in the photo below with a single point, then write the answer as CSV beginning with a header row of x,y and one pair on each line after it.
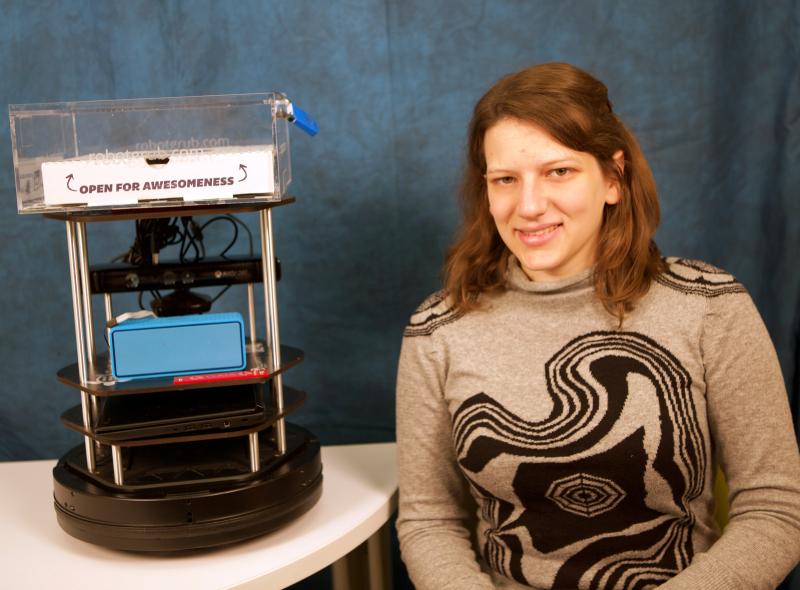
x,y
144,153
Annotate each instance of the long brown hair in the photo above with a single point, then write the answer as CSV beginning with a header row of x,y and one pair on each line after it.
x,y
574,108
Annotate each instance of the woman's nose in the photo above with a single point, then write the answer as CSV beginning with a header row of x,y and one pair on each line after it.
x,y
532,199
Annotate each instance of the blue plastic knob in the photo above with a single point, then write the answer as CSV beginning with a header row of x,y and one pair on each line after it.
x,y
300,118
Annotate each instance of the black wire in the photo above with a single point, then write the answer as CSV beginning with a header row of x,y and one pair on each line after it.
x,y
233,240
233,221
175,232
241,223
247,229
153,235
218,295
191,238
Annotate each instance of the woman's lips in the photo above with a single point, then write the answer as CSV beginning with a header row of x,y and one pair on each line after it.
x,y
540,236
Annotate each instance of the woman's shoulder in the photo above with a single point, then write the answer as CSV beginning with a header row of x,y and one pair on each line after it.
x,y
436,311
697,278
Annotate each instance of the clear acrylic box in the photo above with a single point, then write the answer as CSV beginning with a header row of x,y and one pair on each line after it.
x,y
147,153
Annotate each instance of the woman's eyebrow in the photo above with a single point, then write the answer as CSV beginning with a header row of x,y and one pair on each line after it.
x,y
562,160
548,163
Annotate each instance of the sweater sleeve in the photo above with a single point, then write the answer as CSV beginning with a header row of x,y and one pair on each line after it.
x,y
756,447
432,525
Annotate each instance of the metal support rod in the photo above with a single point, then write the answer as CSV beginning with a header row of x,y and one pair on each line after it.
x,y
271,316
116,461
251,311
378,559
367,567
255,457
109,308
77,313
109,316
86,297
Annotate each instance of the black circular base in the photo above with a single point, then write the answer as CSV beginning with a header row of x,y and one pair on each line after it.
x,y
193,513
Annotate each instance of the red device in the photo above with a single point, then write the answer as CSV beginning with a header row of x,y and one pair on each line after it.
x,y
228,376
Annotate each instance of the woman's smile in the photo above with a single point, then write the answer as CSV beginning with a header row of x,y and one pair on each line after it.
x,y
538,237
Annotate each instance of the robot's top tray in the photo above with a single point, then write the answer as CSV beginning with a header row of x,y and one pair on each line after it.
x,y
152,153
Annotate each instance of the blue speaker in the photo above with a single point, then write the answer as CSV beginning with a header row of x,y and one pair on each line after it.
x,y
180,345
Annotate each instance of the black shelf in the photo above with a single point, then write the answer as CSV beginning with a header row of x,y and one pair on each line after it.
x,y
292,399
100,382
196,465
166,209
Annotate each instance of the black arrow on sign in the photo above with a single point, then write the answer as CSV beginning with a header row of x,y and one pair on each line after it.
x,y
70,178
243,168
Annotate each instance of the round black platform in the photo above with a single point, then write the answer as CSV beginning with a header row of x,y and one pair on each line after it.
x,y
203,503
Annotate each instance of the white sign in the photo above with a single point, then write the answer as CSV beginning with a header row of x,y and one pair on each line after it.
x,y
125,178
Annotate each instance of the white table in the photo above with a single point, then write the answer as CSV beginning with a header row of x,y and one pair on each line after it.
x,y
358,497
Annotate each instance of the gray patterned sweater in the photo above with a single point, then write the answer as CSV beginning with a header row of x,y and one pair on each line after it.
x,y
541,447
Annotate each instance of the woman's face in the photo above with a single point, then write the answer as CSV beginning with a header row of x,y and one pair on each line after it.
x,y
546,199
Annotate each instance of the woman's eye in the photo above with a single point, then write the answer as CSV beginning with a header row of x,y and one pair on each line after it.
x,y
560,171
503,180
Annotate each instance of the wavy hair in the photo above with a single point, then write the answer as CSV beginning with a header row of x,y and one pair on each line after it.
x,y
573,107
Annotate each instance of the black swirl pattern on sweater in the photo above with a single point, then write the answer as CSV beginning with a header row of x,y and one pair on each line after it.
x,y
567,493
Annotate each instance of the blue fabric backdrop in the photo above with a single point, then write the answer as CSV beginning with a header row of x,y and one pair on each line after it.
x,y
711,89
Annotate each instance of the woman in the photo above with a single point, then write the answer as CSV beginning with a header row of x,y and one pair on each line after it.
x,y
563,403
